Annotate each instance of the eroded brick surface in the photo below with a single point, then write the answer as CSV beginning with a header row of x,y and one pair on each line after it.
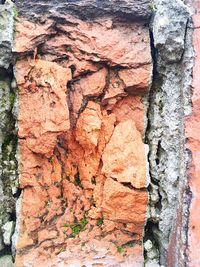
x,y
82,157
193,143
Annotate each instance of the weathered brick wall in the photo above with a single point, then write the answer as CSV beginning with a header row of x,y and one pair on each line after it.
x,y
103,96
83,160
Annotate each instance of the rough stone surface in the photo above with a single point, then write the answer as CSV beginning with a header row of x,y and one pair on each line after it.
x,y
133,9
119,200
44,91
8,158
125,143
8,140
168,105
92,85
75,43
135,81
6,261
6,33
73,110
171,18
7,229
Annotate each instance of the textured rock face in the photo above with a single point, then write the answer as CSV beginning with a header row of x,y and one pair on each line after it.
x,y
171,19
119,200
83,71
125,143
83,166
8,165
8,139
169,103
6,33
133,9
44,98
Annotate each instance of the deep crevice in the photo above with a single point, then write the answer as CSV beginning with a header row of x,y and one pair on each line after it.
x,y
152,226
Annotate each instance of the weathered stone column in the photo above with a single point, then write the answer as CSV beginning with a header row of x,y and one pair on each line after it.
x,y
8,136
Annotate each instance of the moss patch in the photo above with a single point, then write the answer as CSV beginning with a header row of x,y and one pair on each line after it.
x,y
77,227
99,221
119,249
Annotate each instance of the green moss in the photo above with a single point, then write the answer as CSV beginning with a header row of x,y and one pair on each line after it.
x,y
68,49
83,222
77,227
12,98
16,14
99,221
119,249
